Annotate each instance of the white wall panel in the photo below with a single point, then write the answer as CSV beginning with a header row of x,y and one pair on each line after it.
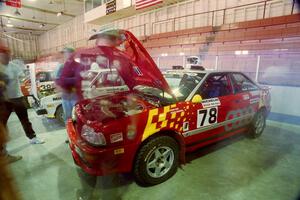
x,y
167,19
21,45
276,9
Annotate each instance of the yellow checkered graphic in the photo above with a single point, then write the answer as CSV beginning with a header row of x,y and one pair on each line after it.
x,y
157,119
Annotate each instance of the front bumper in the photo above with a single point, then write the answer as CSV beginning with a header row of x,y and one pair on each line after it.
x,y
100,161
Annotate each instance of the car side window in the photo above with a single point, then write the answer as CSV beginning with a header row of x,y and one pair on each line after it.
x,y
242,84
216,85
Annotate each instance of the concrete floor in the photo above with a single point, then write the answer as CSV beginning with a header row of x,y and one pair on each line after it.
x,y
238,168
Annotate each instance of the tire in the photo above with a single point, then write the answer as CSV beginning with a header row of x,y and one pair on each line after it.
x,y
156,161
258,124
59,115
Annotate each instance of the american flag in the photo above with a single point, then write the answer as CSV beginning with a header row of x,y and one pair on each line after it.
x,y
140,4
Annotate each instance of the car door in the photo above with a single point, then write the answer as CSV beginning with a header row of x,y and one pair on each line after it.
x,y
217,93
245,101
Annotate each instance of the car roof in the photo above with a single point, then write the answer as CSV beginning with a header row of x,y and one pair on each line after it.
x,y
102,70
207,71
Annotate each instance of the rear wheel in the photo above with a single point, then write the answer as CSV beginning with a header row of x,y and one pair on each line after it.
x,y
258,124
156,161
59,114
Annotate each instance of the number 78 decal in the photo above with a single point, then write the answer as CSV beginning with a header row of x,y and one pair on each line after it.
x,y
206,117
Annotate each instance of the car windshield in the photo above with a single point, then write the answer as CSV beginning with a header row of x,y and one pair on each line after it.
x,y
182,84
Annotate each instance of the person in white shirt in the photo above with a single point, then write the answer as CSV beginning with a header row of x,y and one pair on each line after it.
x,y
4,59
16,102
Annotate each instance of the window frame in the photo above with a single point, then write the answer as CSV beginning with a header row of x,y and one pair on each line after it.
x,y
246,77
217,74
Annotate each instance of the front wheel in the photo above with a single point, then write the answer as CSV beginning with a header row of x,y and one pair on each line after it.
x,y
156,161
59,115
258,124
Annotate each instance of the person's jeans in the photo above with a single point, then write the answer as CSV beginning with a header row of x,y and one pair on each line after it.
x,y
68,102
18,106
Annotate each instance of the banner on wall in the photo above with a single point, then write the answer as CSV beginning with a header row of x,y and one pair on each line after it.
x,y
111,7
13,3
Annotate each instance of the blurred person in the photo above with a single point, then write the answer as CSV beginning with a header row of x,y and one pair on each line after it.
x,y
4,80
66,53
74,70
7,190
69,97
108,40
15,100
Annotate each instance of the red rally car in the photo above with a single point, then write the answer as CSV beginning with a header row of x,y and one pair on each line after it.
x,y
148,129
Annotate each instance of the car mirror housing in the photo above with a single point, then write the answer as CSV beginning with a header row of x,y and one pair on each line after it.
x,y
197,99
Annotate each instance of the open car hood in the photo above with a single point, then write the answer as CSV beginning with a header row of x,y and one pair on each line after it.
x,y
131,60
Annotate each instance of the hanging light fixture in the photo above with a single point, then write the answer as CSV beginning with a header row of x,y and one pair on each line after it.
x,y
59,13
17,12
51,2
42,25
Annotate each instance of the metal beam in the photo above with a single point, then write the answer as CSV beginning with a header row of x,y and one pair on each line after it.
x,y
46,11
28,20
23,28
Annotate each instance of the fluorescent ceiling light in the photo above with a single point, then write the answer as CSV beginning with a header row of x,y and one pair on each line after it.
x,y
238,52
181,54
245,52
9,25
164,54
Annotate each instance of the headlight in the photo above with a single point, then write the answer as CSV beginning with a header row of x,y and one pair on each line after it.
x,y
92,137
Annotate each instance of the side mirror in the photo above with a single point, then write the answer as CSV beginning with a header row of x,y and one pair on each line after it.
x,y
197,99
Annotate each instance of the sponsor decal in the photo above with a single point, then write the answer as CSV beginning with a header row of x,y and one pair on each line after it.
x,y
56,98
213,102
176,110
239,117
246,97
254,100
137,71
116,137
119,151
185,126
255,93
